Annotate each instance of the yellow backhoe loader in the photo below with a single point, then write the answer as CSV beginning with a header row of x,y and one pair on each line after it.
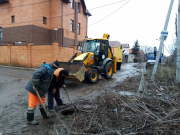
x,y
96,58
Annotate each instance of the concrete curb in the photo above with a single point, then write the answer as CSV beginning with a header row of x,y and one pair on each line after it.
x,y
21,68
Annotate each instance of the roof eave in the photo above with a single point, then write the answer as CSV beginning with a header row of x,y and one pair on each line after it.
x,y
85,11
4,1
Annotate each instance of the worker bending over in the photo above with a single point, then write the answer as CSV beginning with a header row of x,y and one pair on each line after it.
x,y
41,80
57,82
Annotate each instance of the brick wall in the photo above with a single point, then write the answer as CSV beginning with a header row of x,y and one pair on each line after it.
x,y
33,55
19,55
82,19
23,15
41,53
29,25
4,55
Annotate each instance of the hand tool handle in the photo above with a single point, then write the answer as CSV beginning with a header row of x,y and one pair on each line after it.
x,y
40,99
68,95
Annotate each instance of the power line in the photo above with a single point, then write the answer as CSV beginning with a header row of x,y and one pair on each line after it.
x,y
67,15
74,13
107,15
167,50
102,18
107,5
26,5
39,19
49,0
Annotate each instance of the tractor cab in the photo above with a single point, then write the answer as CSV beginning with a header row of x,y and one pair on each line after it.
x,y
96,58
97,46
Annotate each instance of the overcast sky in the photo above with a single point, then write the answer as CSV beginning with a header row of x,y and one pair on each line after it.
x,y
138,19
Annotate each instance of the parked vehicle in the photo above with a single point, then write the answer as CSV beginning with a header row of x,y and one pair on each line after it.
x,y
151,59
97,57
118,52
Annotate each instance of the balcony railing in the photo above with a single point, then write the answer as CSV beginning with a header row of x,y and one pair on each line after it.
x,y
67,1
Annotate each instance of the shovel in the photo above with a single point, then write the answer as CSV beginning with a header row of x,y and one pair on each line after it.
x,y
67,95
40,100
69,110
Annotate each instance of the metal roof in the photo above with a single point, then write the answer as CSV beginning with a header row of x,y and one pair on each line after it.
x,y
98,39
125,45
114,43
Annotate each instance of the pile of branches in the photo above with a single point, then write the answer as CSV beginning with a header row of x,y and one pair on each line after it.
x,y
117,114
149,113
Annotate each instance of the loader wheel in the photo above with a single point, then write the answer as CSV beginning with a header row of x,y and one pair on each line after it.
x,y
92,75
108,70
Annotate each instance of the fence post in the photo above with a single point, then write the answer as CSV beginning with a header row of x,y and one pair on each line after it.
x,y
142,83
56,51
30,55
9,52
74,49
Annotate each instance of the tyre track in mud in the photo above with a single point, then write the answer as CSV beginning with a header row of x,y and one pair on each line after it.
x,y
14,99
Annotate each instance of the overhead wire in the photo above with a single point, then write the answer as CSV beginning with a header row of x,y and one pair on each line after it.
x,y
107,15
167,50
72,13
107,5
26,4
104,17
50,17
39,19
50,0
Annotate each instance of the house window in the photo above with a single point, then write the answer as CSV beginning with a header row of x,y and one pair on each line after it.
x,y
78,28
71,26
0,33
44,20
13,19
72,4
78,7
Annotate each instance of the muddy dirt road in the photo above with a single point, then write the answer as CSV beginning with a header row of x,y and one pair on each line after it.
x,y
14,97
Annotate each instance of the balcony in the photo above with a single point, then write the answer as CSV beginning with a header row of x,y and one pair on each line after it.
x,y
3,1
67,1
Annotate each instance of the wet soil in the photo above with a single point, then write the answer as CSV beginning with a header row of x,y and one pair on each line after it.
x,y
14,98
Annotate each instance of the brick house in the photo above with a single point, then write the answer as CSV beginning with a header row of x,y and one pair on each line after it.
x,y
43,21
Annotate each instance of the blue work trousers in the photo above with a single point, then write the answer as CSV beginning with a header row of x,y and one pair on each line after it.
x,y
51,97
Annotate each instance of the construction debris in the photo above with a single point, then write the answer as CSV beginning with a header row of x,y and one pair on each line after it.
x,y
154,112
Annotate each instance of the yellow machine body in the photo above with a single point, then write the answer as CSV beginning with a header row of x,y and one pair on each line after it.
x,y
117,52
78,65
88,61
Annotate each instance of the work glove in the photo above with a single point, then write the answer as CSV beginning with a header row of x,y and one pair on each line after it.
x,y
54,91
34,88
64,86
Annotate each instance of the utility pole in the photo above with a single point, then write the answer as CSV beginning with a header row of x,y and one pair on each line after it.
x,y
176,25
162,38
178,48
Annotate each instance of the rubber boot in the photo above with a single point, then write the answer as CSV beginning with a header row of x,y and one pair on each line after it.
x,y
43,113
30,116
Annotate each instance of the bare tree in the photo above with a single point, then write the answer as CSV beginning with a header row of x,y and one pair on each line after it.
x,y
172,47
146,49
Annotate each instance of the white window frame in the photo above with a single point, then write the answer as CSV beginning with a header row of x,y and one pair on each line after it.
x,y
72,4
71,25
78,28
79,7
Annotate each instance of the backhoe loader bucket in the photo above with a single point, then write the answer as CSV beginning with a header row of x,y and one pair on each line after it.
x,y
76,70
